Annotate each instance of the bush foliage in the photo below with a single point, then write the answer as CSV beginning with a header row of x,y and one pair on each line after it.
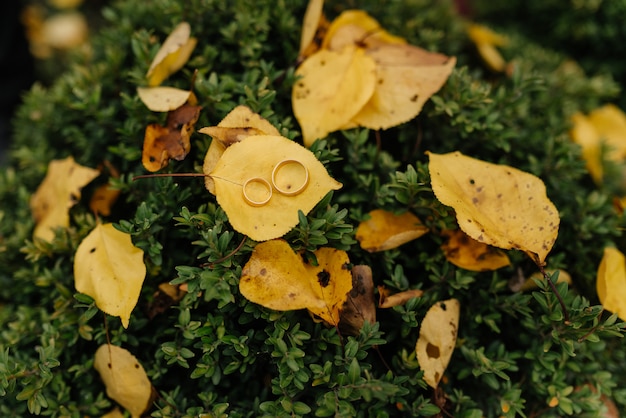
x,y
215,353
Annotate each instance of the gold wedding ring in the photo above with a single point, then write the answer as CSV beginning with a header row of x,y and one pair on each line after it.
x,y
283,182
254,195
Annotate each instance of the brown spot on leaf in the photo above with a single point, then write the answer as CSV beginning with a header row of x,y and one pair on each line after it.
x,y
432,351
323,277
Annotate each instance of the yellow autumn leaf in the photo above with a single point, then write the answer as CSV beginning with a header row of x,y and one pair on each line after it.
x,y
496,204
469,254
312,18
114,413
124,377
57,193
486,42
173,54
611,282
110,269
163,99
240,123
263,181
357,27
388,300
386,230
332,88
584,134
277,278
437,339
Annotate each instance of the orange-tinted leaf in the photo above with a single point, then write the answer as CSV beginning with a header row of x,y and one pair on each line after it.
x,y
385,230
496,204
387,300
437,339
469,254
359,307
57,193
103,198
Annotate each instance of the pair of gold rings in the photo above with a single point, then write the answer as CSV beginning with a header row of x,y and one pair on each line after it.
x,y
257,191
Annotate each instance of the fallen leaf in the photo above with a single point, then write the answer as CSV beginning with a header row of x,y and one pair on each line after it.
x,y
496,204
519,283
486,42
386,230
313,17
173,54
611,282
166,296
124,377
162,143
65,30
57,193
437,339
331,89
163,99
240,123
105,196
584,134
110,269
387,300
264,164
359,307
277,278
357,27
114,413
469,254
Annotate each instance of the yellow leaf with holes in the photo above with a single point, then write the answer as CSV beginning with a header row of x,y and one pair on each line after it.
x,y
163,99
173,54
278,278
469,254
386,230
332,88
124,377
496,204
437,339
263,181
240,123
611,282
110,269
57,193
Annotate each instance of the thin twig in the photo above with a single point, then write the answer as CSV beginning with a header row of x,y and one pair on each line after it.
x,y
556,293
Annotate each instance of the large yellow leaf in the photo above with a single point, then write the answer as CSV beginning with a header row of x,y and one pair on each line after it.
x,y
57,193
173,54
263,164
332,89
385,230
496,204
277,278
124,377
240,123
437,339
611,282
110,269
469,254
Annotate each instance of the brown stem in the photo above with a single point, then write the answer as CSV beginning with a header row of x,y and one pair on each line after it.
x,y
227,256
556,293
147,176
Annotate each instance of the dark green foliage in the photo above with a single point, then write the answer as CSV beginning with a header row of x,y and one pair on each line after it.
x,y
215,353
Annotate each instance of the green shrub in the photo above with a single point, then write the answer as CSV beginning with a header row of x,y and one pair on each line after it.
x,y
215,353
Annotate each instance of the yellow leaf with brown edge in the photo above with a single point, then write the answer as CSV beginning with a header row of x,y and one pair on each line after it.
x,y
57,193
240,123
496,204
110,269
611,282
386,230
437,339
469,254
277,278
163,99
125,379
265,165
313,16
388,300
357,27
173,54
332,88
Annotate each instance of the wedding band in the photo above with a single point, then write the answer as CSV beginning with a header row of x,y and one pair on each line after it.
x,y
290,190
251,201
